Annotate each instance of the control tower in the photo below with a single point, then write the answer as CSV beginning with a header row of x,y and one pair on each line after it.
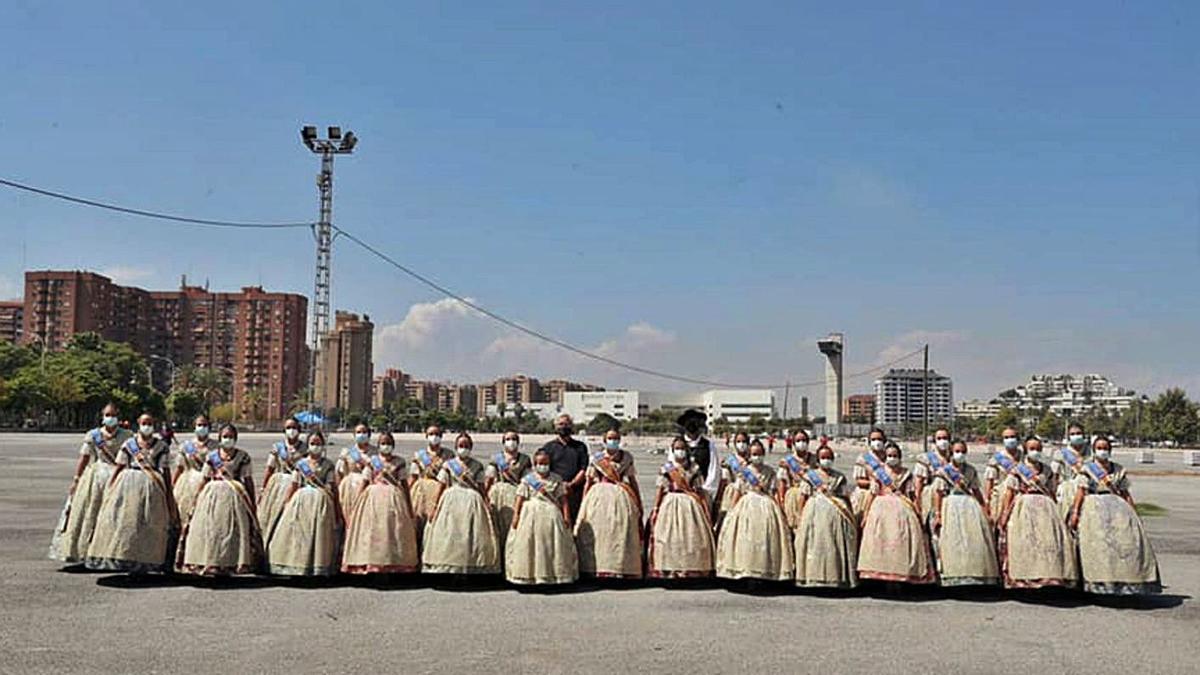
x,y
832,348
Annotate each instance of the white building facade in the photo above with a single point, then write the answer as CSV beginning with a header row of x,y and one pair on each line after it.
x,y
735,405
900,396
1064,395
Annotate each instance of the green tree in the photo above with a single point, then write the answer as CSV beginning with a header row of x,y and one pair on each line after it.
x,y
602,423
1049,427
1174,418
1005,417
183,405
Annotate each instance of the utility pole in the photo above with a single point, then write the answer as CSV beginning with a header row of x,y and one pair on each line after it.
x,y
787,389
334,144
925,402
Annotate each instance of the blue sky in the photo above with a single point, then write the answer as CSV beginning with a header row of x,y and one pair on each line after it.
x,y
702,189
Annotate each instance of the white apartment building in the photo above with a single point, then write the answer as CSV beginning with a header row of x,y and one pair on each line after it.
x,y
1063,395
735,405
900,396
541,410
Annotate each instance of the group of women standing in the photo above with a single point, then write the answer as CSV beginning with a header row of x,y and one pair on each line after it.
x,y
136,505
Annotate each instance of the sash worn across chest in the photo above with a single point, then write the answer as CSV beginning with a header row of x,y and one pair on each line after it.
x,y
794,465
102,446
460,471
1098,473
539,486
605,466
1071,459
953,475
284,454
877,468
935,460
751,476
309,474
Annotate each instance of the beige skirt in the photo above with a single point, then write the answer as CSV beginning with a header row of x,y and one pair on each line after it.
x,y
1115,556
349,490
423,495
134,526
893,545
304,541
1037,549
858,501
222,537
461,539
541,549
270,502
826,545
681,539
608,533
965,550
381,537
726,501
187,487
791,506
755,541
501,497
73,534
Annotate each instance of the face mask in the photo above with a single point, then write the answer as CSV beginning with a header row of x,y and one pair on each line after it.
x,y
361,438
680,454
316,451
228,443
387,449
612,443
1101,454
565,430
877,445
801,447
756,459
201,432
741,447
110,421
463,452
434,441
960,457
1011,443
1034,455
1075,439
826,463
893,461
146,430
943,444
542,469
511,444
292,433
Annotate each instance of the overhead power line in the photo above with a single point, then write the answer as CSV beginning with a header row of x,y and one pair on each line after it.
x,y
144,213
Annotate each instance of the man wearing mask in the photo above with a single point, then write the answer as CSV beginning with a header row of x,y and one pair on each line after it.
x,y
568,459
701,450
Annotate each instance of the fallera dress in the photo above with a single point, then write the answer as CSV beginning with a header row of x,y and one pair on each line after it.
x,y
423,494
191,457
1115,556
826,535
77,521
731,466
222,537
681,537
304,541
281,460
608,532
381,533
964,548
461,537
790,475
350,467
755,541
506,471
997,475
926,467
893,545
1036,548
137,521
541,549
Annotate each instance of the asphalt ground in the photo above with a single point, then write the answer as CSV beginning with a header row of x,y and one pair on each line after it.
x,y
67,621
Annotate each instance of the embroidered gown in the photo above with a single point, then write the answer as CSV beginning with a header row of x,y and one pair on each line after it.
x,y
425,467
506,472
1036,548
1115,556
997,475
925,468
730,465
77,521
461,538
608,533
381,533
826,536
858,495
304,541
281,460
192,458
790,475
965,550
541,549
137,519
681,537
222,536
893,545
1065,476
350,467
755,541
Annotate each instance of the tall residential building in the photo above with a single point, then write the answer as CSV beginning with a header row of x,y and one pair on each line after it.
x,y
388,388
345,368
900,396
12,315
518,389
553,390
257,337
425,393
859,408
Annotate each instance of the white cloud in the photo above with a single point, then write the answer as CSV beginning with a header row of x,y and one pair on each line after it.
x,y
425,321
127,274
913,340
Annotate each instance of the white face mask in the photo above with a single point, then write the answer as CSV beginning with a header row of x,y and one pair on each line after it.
x,y
316,451
741,447
960,457
292,433
680,454
542,469
387,449
877,445
1034,455
612,444
1076,439
511,444
228,443
943,444
756,459
110,421
1101,454
201,432
434,441
463,452
801,447
893,461
361,438
1011,443
146,430
826,463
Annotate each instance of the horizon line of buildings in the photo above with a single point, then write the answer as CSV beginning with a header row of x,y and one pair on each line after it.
x,y
1063,395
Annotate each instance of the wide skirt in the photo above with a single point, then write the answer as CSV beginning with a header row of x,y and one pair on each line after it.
x,y
965,549
608,533
826,545
134,527
1036,549
725,502
502,496
681,539
541,550
893,545
793,506
461,539
304,541
186,489
858,501
77,521
423,495
381,536
270,503
349,490
755,541
1115,555
222,537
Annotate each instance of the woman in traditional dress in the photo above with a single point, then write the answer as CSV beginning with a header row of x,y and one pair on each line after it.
x,y
995,475
681,536
826,536
138,519
504,474
893,546
731,467
350,467
540,548
755,541
926,467
381,534
960,530
460,537
424,489
97,459
1035,547
304,541
790,476
278,477
863,482
1067,467
222,537
608,533
1115,556
190,460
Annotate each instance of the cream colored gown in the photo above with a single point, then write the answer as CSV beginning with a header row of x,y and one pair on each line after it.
x,y
137,520
1036,548
461,538
608,533
964,548
1115,556
681,541
77,520
191,457
222,537
893,545
541,550
381,533
755,541
506,472
826,536
304,541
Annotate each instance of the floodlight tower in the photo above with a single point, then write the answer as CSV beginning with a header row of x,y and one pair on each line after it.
x,y
335,143
832,348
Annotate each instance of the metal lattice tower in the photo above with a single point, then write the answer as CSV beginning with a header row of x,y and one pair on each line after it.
x,y
335,144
